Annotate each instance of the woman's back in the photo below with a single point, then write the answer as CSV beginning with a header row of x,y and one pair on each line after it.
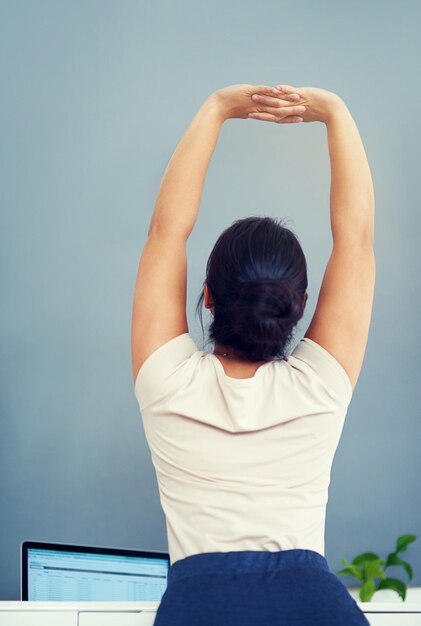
x,y
242,463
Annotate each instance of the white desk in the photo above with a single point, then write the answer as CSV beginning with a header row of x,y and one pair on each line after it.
x,y
16,613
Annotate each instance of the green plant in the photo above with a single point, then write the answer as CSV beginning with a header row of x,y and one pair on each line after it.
x,y
367,566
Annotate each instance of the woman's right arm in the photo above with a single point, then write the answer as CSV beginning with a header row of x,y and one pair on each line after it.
x,y
351,187
341,321
343,313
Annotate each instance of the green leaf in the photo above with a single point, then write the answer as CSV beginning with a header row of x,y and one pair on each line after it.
x,y
395,584
390,557
372,568
352,571
366,556
403,541
393,559
367,590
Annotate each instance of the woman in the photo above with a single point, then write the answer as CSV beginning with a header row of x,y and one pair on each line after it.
x,y
243,439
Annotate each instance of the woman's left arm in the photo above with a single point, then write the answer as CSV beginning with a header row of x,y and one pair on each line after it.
x,y
159,301
179,195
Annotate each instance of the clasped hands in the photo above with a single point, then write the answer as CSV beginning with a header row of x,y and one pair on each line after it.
x,y
281,104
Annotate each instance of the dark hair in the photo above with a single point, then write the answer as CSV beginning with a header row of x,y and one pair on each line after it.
x,y
257,277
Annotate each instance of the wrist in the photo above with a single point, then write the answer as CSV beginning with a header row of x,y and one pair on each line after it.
x,y
214,105
336,107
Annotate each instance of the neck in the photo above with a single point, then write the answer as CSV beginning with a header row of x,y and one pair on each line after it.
x,y
230,353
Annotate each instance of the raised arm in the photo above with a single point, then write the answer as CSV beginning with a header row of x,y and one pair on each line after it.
x,y
343,313
351,189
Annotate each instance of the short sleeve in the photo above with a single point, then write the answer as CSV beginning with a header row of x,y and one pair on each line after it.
x,y
158,372
328,369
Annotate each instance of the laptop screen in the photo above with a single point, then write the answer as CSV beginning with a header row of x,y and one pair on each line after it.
x,y
57,572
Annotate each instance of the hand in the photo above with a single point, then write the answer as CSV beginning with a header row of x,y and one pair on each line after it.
x,y
236,101
319,104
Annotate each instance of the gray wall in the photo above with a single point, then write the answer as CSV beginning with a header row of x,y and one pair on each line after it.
x,y
95,97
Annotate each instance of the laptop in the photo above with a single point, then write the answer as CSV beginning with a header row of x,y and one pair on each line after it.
x,y
64,572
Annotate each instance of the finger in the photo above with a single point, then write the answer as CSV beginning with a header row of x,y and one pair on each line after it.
x,y
286,88
265,90
294,110
266,117
291,119
282,111
275,101
269,117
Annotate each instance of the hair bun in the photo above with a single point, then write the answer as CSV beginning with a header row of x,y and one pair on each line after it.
x,y
265,307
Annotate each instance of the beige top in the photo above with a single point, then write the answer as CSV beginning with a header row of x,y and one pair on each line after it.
x,y
242,464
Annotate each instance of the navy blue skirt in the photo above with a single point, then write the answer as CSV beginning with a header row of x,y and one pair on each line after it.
x,y
285,588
